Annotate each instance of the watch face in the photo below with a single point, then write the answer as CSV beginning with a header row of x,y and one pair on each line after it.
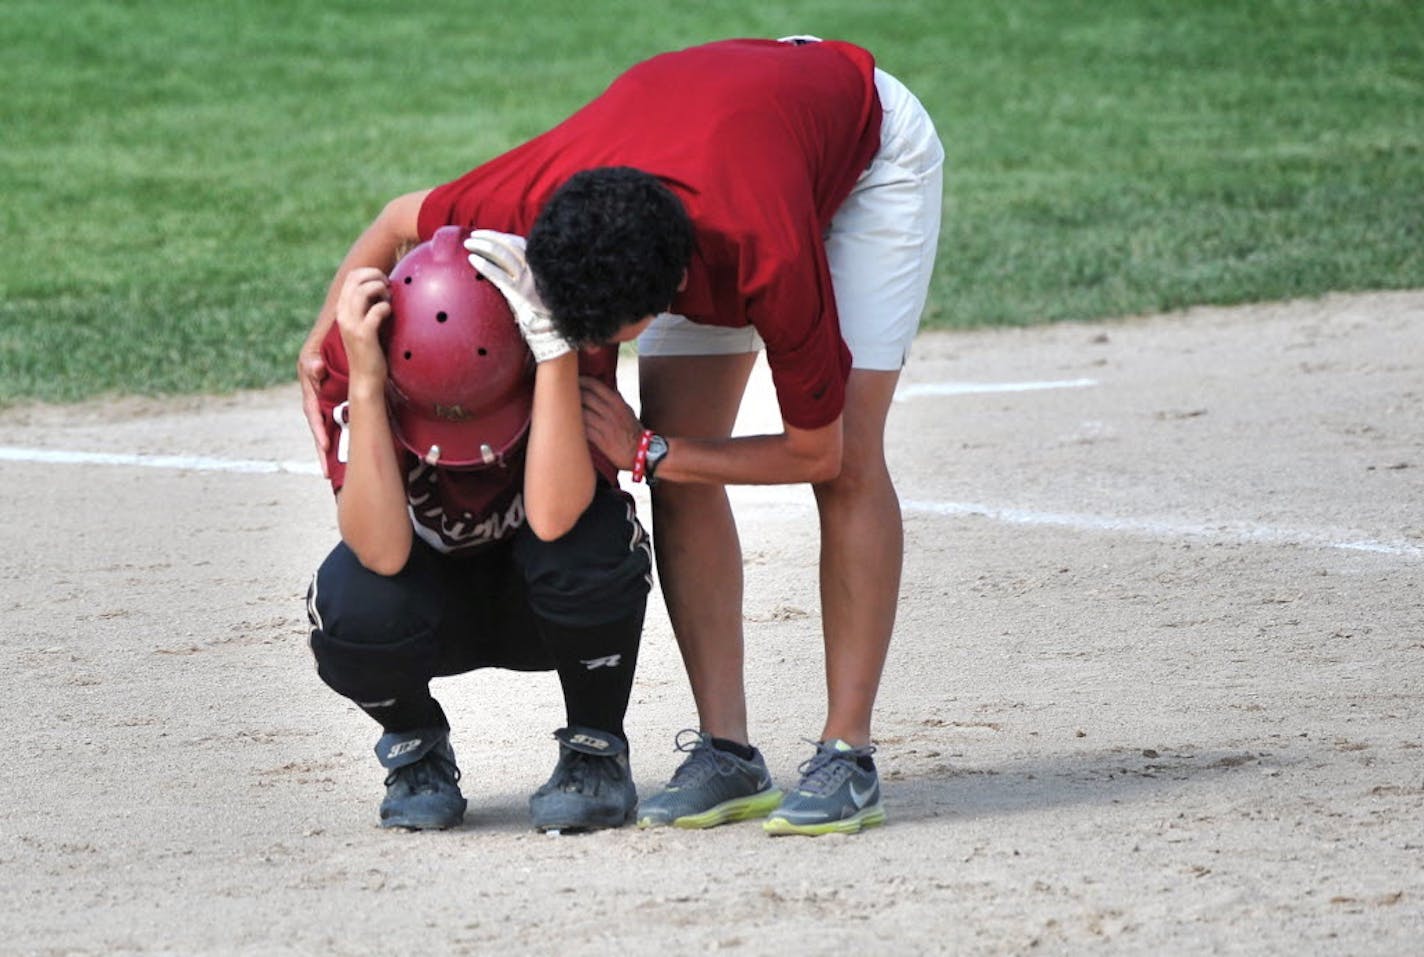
x,y
657,448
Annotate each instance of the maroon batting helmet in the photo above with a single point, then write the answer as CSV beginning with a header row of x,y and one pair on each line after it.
x,y
461,382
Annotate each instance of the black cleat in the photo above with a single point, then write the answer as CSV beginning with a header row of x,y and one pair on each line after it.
x,y
591,787
422,790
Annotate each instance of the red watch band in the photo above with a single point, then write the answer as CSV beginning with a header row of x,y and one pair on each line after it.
x,y
640,458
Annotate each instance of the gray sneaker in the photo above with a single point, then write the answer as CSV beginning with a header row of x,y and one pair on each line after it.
x,y
711,787
423,787
591,787
836,795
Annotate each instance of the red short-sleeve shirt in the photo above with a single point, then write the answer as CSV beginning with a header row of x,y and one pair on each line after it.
x,y
762,141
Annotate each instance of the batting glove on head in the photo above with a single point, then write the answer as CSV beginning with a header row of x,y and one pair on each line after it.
x,y
499,257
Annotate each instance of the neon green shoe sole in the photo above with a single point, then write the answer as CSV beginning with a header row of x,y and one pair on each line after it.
x,y
737,809
872,816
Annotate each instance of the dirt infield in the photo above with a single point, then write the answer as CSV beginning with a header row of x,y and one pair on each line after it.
x,y
1156,686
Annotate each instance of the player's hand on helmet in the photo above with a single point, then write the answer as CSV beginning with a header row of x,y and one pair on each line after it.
x,y
499,257
364,303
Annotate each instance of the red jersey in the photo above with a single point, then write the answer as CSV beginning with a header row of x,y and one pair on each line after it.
x,y
453,510
762,141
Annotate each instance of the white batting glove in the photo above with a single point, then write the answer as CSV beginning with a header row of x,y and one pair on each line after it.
x,y
499,257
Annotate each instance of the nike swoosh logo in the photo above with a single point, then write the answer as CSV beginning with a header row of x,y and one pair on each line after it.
x,y
861,798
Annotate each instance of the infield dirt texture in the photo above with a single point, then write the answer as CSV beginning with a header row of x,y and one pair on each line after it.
x,y
1156,685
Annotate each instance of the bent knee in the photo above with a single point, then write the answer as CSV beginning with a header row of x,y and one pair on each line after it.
x,y
857,476
372,635
354,605
600,571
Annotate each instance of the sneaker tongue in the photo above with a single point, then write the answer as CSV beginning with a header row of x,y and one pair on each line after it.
x,y
839,745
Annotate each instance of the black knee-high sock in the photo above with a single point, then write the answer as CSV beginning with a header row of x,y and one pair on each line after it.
x,y
596,665
408,712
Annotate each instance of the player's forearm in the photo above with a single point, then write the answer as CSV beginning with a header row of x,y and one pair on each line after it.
x,y
378,245
793,457
371,511
558,473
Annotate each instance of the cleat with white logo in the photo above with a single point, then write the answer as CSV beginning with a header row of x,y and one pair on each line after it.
x,y
591,787
422,789
710,787
837,795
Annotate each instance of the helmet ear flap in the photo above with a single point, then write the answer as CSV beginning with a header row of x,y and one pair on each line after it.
x,y
461,380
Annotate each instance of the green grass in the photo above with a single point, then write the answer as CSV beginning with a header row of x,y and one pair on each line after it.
x,y
180,179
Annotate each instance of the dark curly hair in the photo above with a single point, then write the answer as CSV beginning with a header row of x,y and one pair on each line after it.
x,y
608,248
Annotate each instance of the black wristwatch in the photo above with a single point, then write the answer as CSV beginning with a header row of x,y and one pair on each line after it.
x,y
657,451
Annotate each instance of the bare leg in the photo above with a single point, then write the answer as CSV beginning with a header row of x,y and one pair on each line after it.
x,y
695,535
862,549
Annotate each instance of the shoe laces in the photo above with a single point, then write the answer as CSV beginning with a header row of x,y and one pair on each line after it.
x,y
703,759
579,770
824,771
428,774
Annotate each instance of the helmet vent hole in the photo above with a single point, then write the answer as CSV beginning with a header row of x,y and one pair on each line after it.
x,y
483,351
407,353
407,280
441,316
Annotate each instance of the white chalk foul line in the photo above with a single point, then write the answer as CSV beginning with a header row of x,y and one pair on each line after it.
x,y
189,463
1244,533
780,497
917,390
1241,532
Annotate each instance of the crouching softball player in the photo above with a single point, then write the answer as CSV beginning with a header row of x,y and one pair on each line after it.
x,y
478,528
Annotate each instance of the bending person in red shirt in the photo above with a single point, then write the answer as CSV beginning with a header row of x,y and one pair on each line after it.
x,y
712,202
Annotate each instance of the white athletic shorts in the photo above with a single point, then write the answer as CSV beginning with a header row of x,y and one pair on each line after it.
x,y
881,249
